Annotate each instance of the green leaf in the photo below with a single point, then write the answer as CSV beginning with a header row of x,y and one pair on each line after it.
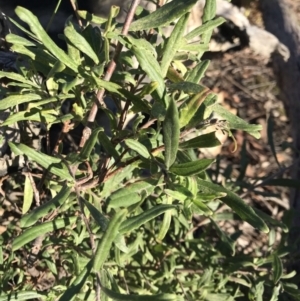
x,y
34,114
39,230
89,145
206,27
191,168
80,43
271,221
18,78
57,67
15,39
173,43
209,10
259,291
277,268
139,220
177,195
40,34
197,47
191,106
203,141
130,194
78,283
138,147
22,296
276,292
196,74
99,218
91,18
200,205
283,182
289,275
28,195
54,165
121,297
109,236
14,100
41,211
236,122
171,132
166,223
108,146
163,15
291,290
147,58
236,204
228,242
187,87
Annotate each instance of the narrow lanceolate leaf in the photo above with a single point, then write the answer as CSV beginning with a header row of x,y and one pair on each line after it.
x,y
32,115
207,27
203,141
57,67
198,72
41,211
99,218
17,40
78,283
271,221
277,268
191,106
19,78
171,132
28,195
138,147
236,122
165,226
236,204
201,206
173,44
187,87
283,182
39,32
121,297
146,57
89,145
164,15
209,10
54,165
107,145
80,43
14,100
109,236
139,220
32,233
191,168
130,194
229,243
91,18
22,296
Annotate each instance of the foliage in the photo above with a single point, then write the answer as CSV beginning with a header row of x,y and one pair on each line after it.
x,y
113,207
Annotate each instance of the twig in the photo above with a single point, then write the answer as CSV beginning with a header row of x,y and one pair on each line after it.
x,y
110,70
75,8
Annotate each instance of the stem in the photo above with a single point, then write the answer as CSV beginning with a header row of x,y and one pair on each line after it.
x,y
110,70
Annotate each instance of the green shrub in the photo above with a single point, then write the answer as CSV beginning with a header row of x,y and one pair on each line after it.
x,y
113,209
